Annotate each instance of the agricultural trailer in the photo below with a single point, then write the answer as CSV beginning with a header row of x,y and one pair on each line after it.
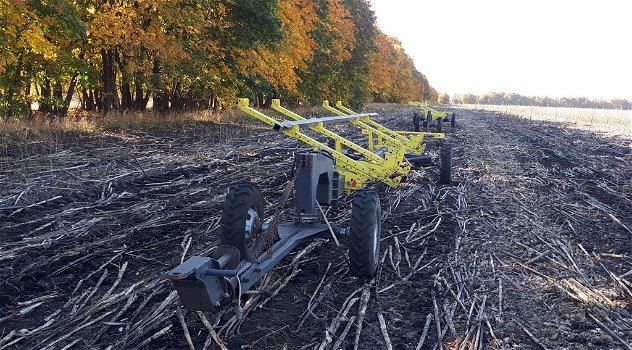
x,y
251,245
427,116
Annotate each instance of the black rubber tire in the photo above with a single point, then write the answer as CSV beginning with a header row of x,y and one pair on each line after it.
x,y
239,200
453,120
428,120
445,164
364,238
439,124
416,120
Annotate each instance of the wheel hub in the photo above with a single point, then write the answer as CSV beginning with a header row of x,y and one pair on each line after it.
x,y
252,222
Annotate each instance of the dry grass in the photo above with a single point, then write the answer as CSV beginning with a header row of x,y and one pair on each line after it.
x,y
618,122
82,123
40,129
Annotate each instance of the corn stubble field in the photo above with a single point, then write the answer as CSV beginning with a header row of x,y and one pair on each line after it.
x,y
608,121
530,248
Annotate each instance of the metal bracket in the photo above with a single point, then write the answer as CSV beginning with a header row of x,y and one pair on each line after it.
x,y
204,284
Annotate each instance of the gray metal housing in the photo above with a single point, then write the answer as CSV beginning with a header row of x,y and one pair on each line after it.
x,y
316,180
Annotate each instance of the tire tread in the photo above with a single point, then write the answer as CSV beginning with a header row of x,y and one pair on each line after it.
x,y
364,214
234,211
445,167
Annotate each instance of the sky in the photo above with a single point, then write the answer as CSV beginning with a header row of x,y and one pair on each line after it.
x,y
549,48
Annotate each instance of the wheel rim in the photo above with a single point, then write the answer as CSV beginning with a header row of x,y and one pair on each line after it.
x,y
253,223
376,241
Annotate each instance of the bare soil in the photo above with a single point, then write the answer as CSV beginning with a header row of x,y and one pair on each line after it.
x,y
529,248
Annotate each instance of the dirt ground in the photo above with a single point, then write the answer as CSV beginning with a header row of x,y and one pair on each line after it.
x,y
529,248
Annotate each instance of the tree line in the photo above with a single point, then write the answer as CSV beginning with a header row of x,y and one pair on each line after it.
x,y
500,98
116,55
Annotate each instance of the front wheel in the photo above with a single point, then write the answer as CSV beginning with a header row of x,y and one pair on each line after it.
x,y
242,219
364,238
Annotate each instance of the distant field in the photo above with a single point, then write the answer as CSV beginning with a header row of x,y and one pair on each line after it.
x,y
618,122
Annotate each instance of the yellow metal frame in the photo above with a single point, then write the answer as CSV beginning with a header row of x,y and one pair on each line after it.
x,y
435,114
383,161
385,136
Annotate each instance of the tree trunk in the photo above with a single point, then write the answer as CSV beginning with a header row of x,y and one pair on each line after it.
x,y
140,99
126,96
69,94
98,99
14,81
161,102
28,97
57,92
88,100
161,98
10,103
126,93
145,101
215,103
44,103
176,99
108,76
191,102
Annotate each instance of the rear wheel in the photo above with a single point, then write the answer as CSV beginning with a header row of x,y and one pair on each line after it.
x,y
364,238
242,219
416,120
445,164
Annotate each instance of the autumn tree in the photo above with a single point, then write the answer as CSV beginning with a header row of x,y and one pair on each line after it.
x,y
443,99
275,66
183,53
394,77
335,42
38,39
190,54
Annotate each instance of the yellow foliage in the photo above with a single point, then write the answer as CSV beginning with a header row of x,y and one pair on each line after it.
x,y
124,26
280,63
341,28
22,34
392,72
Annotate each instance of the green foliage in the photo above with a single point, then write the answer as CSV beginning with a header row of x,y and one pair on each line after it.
x,y
356,69
253,22
62,20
